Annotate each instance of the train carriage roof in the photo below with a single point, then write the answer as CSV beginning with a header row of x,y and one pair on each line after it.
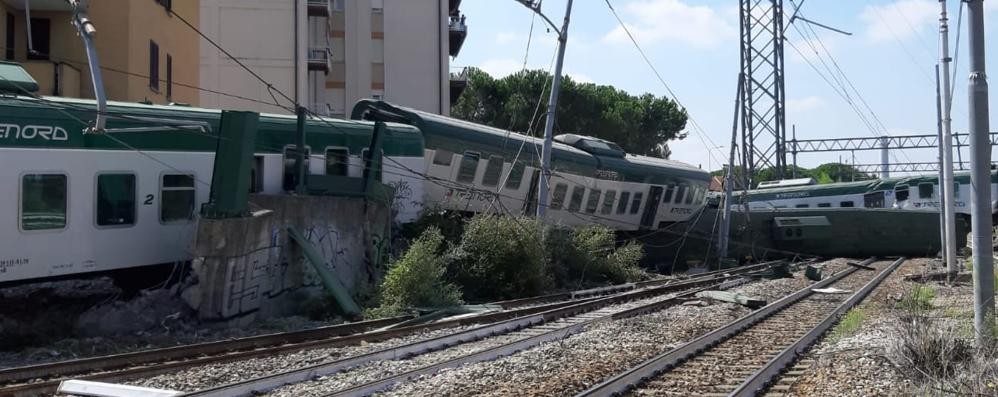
x,y
275,130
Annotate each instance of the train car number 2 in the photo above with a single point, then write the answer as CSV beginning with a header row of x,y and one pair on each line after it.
x,y
148,201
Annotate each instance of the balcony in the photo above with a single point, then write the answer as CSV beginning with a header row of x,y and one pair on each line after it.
x,y
320,8
458,82
320,59
458,31
453,6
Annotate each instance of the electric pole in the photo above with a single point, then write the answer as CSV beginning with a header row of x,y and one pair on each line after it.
x,y
980,178
946,145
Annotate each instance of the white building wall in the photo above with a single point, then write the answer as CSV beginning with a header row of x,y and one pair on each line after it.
x,y
416,47
261,34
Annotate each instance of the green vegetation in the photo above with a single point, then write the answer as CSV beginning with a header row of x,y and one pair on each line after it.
x,y
417,279
849,324
825,173
639,124
917,299
500,257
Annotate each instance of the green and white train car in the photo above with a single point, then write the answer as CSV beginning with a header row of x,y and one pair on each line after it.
x,y
76,203
918,193
475,168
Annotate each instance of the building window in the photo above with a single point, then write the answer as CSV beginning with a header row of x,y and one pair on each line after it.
x,y
680,192
636,203
115,199
593,201
337,161
515,176
442,157
558,198
169,76
846,204
624,197
43,201
10,36
667,197
176,198
608,199
40,47
469,166
167,4
153,65
925,190
577,193
493,170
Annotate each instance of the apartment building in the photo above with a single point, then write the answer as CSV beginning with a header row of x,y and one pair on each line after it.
x,y
146,54
347,50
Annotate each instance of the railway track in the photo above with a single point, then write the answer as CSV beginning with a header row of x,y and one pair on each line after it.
x,y
44,378
744,357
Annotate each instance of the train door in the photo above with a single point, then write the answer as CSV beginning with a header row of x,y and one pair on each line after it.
x,y
651,209
873,200
530,206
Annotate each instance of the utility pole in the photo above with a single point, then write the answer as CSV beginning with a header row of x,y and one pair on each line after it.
x,y
87,30
885,170
542,193
980,178
946,146
942,200
729,177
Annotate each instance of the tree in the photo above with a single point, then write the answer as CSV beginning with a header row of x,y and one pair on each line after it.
x,y
518,102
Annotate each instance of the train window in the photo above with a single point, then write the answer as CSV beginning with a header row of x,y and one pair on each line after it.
x,y
956,189
846,204
337,161
493,170
115,199
558,198
901,193
593,201
925,190
43,201
176,198
689,195
608,199
680,192
469,166
824,205
290,152
667,196
636,203
576,203
443,157
515,176
801,206
624,200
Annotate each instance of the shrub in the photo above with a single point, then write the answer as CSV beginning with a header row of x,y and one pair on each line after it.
x,y
589,255
917,299
417,278
501,257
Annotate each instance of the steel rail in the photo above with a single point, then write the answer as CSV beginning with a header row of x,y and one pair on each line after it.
x,y
763,378
270,382
671,359
172,358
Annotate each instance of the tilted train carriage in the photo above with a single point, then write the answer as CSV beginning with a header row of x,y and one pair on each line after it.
x,y
79,203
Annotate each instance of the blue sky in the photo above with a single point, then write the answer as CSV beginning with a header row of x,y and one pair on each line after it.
x,y
694,44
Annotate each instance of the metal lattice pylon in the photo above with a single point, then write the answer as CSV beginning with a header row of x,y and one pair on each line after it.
x,y
763,104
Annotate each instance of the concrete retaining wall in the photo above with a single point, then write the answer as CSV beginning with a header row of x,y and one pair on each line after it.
x,y
249,267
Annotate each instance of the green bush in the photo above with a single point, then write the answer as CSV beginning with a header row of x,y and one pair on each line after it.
x,y
501,257
849,324
589,255
917,299
417,279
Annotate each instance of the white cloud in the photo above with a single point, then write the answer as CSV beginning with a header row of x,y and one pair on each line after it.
x,y
900,20
798,105
580,77
653,21
500,67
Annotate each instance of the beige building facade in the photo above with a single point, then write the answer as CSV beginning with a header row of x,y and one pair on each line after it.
x,y
138,63
348,50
